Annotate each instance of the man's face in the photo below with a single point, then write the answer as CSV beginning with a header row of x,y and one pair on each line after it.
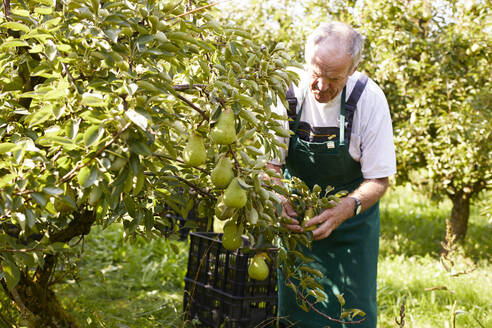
x,y
328,69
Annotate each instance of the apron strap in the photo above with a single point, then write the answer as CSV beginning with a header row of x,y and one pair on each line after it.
x,y
351,105
342,117
292,100
298,115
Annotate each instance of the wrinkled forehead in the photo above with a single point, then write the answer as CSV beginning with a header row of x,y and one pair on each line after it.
x,y
328,56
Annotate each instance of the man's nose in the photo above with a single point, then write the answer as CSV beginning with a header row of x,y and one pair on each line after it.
x,y
322,84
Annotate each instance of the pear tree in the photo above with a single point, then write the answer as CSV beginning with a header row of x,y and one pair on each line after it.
x,y
120,112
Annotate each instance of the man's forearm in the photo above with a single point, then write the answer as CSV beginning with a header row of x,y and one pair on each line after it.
x,y
369,192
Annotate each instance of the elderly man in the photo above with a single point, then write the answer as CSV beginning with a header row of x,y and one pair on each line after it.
x,y
342,138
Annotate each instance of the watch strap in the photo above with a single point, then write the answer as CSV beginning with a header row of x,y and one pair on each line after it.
x,y
357,207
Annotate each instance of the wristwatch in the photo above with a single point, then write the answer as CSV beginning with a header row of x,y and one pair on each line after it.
x,y
358,206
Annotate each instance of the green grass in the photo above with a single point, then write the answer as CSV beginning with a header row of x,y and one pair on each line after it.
x,y
123,284
141,284
412,228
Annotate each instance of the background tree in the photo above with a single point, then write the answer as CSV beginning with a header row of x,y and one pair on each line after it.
x,y
432,61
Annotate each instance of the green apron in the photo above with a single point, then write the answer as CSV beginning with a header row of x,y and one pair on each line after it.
x,y
348,257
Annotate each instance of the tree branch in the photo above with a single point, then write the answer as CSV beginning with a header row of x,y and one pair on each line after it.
x,y
183,87
20,250
6,9
80,225
312,307
195,187
189,103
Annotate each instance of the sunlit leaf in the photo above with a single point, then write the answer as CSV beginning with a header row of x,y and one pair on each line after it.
x,y
15,26
92,135
93,99
11,273
137,118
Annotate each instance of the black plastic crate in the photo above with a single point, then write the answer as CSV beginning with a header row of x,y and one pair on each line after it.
x,y
219,291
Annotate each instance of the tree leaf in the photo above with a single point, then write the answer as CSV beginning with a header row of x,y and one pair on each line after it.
x,y
93,100
15,26
53,190
13,44
11,273
92,135
341,300
243,184
43,10
140,148
174,247
6,147
39,198
137,118
83,176
130,206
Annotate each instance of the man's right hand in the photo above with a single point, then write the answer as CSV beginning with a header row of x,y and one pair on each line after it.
x,y
289,213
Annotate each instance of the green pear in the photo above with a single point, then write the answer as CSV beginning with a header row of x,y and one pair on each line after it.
x,y
252,216
222,174
232,237
194,153
222,212
235,196
224,131
258,269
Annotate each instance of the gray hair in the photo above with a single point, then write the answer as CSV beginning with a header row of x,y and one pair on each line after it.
x,y
346,36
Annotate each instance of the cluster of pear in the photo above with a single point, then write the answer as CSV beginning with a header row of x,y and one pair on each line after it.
x,y
223,177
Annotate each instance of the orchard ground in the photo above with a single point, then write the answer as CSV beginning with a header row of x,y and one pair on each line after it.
x,y
141,284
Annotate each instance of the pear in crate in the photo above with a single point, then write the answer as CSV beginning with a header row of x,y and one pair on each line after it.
x,y
231,239
258,269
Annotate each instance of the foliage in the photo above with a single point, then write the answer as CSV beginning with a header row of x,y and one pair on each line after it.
x,y
98,99
287,21
442,126
431,60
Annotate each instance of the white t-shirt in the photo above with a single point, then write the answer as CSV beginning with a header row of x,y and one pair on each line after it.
x,y
371,141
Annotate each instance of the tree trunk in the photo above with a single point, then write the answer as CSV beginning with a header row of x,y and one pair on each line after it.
x,y
33,295
41,301
460,214
38,304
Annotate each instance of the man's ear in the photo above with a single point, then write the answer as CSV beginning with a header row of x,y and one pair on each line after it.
x,y
355,68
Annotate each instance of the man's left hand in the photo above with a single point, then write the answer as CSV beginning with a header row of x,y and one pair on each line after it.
x,y
331,218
